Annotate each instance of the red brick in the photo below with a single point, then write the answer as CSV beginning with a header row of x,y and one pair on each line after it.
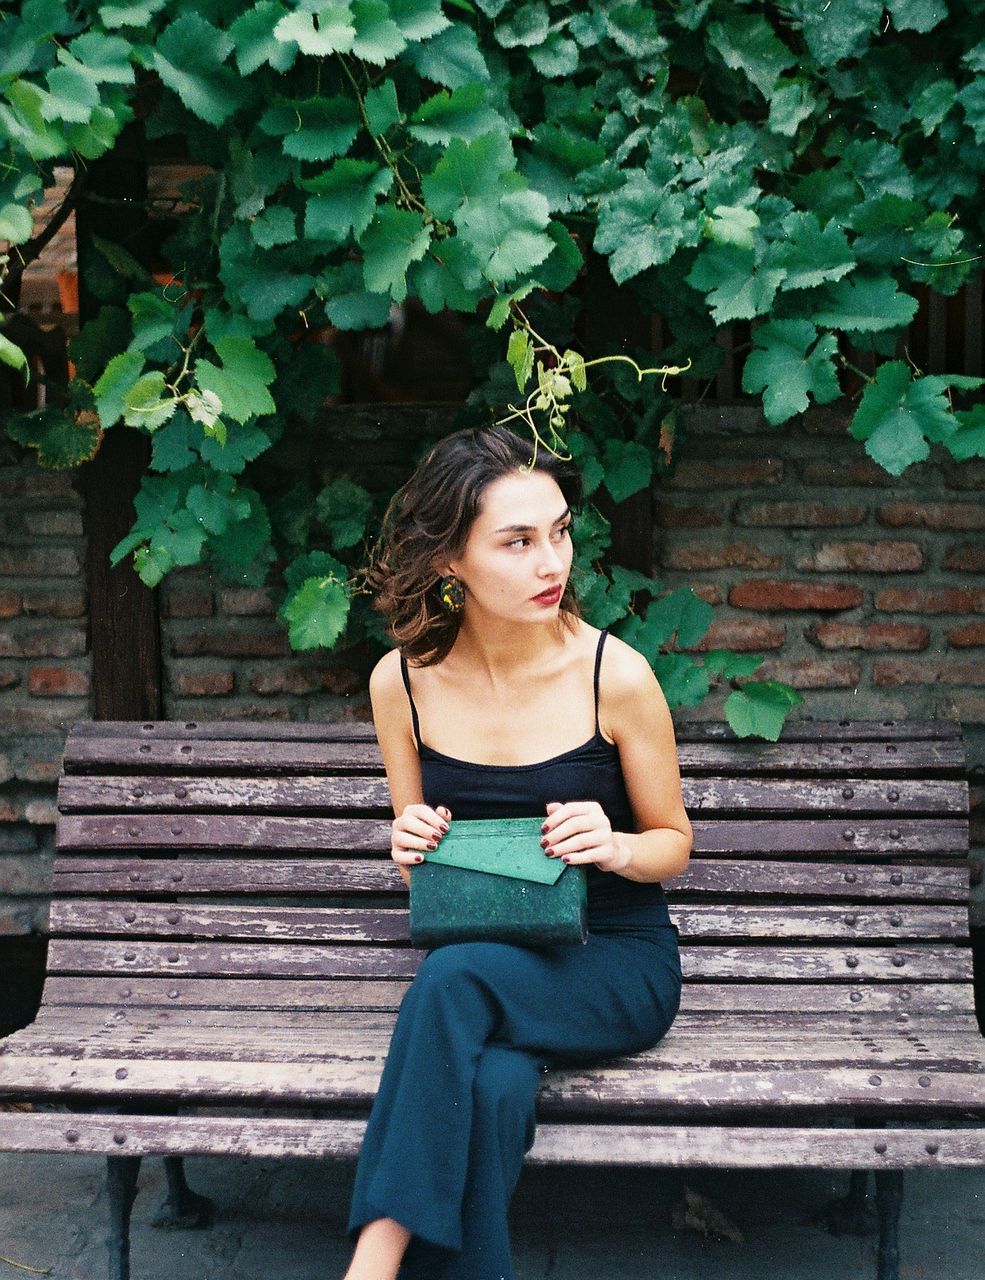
x,y
768,593
701,473
53,523
742,635
253,711
744,554
969,474
58,681
932,515
293,680
7,812
40,562
966,557
41,813
966,636
341,680
42,642
841,473
188,604
43,717
809,673
921,600
255,643
203,684
68,603
666,515
245,602
707,591
870,557
827,419
799,514
8,679
889,671
10,604
867,635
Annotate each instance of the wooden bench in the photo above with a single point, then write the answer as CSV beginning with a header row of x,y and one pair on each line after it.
x,y
228,932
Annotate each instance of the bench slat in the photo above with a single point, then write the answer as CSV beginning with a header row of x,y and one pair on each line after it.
x,y
941,883
916,1000
308,794
640,1086
666,1146
360,730
811,757
821,964
362,924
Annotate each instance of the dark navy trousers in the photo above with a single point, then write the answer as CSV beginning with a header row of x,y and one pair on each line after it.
x,y
454,1113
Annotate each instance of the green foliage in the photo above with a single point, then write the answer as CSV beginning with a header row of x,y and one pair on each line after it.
x,y
804,167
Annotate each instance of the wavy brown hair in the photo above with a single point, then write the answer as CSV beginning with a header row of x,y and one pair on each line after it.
x,y
429,519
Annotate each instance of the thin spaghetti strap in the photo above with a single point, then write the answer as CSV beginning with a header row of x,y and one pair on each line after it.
x,y
598,666
410,698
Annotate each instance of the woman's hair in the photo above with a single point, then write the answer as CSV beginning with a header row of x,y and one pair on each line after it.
x,y
429,520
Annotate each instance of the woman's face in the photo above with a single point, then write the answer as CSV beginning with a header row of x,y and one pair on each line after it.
x,y
517,558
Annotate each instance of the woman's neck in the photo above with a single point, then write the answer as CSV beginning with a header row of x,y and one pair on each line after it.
x,y
502,649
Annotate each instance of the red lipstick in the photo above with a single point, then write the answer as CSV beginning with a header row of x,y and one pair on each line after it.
x,y
551,596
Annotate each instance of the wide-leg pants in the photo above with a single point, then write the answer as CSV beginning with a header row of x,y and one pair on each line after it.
x,y
454,1113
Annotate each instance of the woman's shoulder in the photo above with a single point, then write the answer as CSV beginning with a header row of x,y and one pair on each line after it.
x,y
386,679
625,674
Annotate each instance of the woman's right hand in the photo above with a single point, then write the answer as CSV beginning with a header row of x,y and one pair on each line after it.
x,y
416,832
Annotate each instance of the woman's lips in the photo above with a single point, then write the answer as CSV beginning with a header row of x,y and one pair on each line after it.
x,y
549,597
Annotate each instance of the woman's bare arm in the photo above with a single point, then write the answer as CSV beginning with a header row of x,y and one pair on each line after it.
x,y
415,823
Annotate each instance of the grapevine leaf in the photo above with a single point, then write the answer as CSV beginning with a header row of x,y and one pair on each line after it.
x,y
760,708
378,38
348,303
344,199
189,56
640,226
276,225
172,449
790,367
253,33
462,113
344,508
418,19
737,287
520,357
394,239
241,384
628,468
12,356
451,58
468,170
382,108
748,43
328,29
118,376
62,439
218,506
145,404
240,447
99,339
811,256
864,304
507,236
316,613
969,439
313,128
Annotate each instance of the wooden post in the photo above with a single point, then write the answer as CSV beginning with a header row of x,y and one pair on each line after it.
x,y
613,322
124,624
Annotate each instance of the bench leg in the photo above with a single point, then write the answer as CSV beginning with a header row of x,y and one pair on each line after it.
x,y
889,1198
851,1214
121,1183
183,1209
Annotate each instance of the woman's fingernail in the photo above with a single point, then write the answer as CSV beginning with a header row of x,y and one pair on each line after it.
x,y
419,858
432,844
444,828
566,860
544,843
549,851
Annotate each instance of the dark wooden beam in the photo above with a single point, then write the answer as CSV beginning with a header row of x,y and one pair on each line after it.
x,y
124,622
614,323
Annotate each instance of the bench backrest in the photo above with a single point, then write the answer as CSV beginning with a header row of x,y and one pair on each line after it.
x,y
246,865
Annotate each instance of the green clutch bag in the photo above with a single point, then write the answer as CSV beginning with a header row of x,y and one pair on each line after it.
x,y
490,881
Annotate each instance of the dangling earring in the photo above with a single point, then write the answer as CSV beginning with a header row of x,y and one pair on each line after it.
x,y
452,594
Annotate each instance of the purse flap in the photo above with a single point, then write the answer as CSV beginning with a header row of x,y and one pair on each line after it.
x,y
501,846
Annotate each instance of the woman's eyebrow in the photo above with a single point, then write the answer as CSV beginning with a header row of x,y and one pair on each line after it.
x,y
530,528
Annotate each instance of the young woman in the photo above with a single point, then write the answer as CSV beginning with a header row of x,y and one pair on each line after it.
x,y
502,702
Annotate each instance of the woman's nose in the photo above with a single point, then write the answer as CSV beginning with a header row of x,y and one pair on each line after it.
x,y
551,562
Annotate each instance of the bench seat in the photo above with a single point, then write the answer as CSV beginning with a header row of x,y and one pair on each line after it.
x,y
229,950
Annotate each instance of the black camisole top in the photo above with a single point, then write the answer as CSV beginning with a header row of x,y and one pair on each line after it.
x,y
591,771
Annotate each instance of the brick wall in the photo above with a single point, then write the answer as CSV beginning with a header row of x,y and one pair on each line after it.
x,y
864,592
44,673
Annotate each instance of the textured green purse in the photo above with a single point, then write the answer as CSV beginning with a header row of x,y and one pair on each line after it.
x,y
490,881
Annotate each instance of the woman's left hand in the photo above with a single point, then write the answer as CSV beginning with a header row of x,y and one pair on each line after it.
x,y
579,832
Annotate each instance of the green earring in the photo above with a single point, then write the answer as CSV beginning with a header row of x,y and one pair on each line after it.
x,y
452,594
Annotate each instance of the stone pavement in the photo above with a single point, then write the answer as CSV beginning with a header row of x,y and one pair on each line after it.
x,y
284,1220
